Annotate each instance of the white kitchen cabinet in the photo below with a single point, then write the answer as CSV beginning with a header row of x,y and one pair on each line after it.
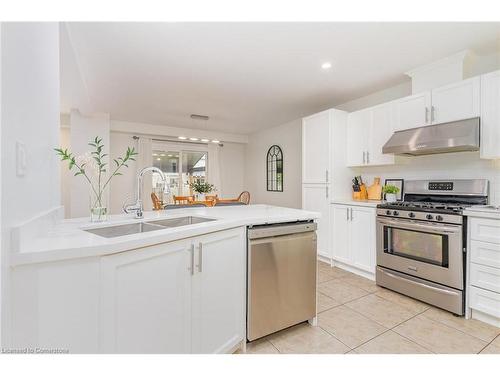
x,y
180,297
490,115
340,233
146,300
316,197
316,148
381,130
412,111
359,124
353,237
219,291
457,101
367,132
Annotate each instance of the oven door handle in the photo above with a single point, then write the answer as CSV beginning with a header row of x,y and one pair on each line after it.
x,y
446,229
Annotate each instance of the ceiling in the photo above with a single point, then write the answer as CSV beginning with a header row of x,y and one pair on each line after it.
x,y
249,76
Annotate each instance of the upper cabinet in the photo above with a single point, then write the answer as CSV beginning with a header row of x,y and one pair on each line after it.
x,y
316,148
367,132
412,111
490,115
457,101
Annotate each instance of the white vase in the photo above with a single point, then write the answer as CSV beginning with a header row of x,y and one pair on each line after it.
x,y
391,197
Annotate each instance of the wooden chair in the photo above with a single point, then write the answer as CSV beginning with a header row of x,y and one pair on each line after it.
x,y
211,197
157,203
186,199
243,198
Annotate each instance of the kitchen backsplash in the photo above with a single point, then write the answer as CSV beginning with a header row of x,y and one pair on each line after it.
x,y
441,166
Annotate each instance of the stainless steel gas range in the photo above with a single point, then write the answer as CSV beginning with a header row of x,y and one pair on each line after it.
x,y
421,244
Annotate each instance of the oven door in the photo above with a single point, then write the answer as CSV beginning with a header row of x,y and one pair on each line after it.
x,y
431,251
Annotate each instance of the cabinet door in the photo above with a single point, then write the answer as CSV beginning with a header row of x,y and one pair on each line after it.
x,y
340,233
145,300
316,198
457,101
362,238
490,115
381,130
358,126
413,111
219,291
316,148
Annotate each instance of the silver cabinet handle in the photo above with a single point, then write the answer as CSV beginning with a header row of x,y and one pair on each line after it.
x,y
432,113
326,191
364,157
200,257
191,267
347,213
367,157
326,175
351,213
426,115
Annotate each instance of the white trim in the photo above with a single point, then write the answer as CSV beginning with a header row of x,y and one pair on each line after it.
x,y
357,271
456,58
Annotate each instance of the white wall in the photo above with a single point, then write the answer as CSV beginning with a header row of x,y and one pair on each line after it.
x,y
289,137
30,114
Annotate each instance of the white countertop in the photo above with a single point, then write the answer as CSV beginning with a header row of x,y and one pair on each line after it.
x,y
67,239
352,202
488,212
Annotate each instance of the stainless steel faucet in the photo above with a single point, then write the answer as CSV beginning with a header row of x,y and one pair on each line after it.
x,y
137,207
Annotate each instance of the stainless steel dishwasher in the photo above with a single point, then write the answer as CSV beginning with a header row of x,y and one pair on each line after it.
x,y
281,277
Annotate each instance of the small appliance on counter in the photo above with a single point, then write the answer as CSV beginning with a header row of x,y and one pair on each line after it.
x,y
421,241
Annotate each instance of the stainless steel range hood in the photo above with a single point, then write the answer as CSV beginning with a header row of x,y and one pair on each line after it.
x,y
453,136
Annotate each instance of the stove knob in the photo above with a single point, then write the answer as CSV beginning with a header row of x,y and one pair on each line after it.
x,y
395,213
429,217
411,214
439,218
388,212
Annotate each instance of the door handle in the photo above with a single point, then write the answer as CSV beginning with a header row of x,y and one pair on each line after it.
x,y
351,213
426,115
367,157
200,257
432,113
326,175
326,191
191,267
364,157
347,213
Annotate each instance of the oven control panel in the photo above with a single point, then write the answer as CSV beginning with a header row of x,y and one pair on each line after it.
x,y
441,185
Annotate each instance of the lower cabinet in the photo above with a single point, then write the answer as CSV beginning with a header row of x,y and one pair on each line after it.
x,y
182,297
353,236
315,197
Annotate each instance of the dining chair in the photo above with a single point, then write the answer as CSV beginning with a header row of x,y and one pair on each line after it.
x,y
157,203
243,198
185,199
175,206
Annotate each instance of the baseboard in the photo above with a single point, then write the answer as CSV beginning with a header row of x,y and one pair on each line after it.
x,y
357,271
478,315
324,259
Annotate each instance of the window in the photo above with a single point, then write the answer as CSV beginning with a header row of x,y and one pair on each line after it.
x,y
181,167
274,169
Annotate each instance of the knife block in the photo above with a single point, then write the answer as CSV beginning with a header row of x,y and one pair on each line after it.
x,y
360,195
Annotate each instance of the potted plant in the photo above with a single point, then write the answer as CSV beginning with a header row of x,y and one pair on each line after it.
x,y
93,168
201,188
391,192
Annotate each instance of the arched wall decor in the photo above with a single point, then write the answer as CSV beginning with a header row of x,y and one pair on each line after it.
x,y
274,168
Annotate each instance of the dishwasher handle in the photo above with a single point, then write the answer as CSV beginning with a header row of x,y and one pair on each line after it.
x,y
274,230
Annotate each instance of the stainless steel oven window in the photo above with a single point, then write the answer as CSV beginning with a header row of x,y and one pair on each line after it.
x,y
425,247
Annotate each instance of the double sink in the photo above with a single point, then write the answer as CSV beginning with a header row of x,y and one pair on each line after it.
x,y
148,226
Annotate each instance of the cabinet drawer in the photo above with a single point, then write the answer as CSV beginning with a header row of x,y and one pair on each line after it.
x,y
487,230
485,253
485,277
484,301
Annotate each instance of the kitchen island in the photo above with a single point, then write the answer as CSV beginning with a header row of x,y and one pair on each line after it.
x,y
171,290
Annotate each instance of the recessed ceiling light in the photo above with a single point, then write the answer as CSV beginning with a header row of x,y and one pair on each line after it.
x,y
205,140
181,137
215,141
326,65
162,154
155,154
158,159
169,155
193,139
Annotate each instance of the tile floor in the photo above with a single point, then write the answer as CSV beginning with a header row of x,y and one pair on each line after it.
x,y
357,316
